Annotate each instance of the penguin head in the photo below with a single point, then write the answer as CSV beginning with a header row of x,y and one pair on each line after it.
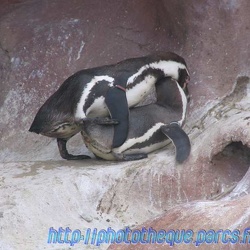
x,y
55,117
44,121
178,70
52,124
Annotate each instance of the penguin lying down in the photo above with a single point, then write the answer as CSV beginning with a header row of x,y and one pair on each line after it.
x,y
150,127
98,92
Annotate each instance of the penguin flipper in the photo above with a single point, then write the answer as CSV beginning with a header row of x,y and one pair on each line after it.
x,y
180,139
117,104
64,152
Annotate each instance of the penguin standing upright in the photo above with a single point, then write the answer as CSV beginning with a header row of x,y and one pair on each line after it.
x,y
108,90
150,127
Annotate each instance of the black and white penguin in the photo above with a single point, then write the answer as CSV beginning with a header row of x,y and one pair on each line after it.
x,y
103,91
150,127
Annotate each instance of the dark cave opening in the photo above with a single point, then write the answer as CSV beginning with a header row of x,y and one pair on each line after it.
x,y
230,166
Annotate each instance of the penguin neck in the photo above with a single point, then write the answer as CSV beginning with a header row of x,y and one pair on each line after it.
x,y
168,94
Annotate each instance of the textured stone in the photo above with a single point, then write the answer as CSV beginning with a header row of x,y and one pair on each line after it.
x,y
218,170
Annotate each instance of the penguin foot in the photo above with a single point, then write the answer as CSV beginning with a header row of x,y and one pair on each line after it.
x,y
76,157
100,121
131,157
105,121
180,139
64,152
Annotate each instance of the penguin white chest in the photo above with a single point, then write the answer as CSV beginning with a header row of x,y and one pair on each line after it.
x,y
140,90
98,108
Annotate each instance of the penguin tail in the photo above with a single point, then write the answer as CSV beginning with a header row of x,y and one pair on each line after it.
x,y
180,140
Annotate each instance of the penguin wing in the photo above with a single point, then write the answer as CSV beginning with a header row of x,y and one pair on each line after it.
x,y
180,139
117,104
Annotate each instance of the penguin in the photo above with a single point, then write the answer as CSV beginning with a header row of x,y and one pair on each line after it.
x,y
150,127
106,91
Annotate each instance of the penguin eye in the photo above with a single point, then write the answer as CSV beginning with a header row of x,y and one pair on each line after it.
x,y
59,126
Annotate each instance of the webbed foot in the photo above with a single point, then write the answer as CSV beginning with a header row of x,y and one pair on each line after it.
x,y
64,152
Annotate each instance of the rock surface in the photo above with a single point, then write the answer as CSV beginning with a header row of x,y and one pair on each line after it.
x,y
44,42
218,172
